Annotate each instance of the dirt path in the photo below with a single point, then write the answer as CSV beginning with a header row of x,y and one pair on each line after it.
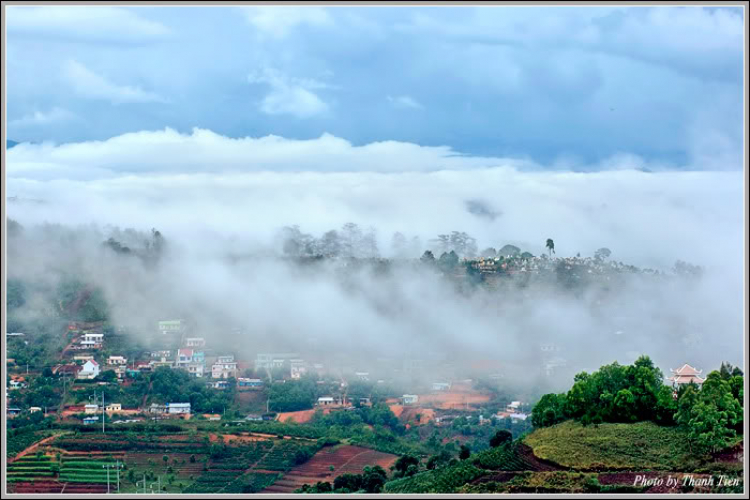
x,y
33,448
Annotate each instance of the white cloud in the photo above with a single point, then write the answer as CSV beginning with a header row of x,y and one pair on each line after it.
x,y
278,21
90,85
404,101
41,118
83,23
290,95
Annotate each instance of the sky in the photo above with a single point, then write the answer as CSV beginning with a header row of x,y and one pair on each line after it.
x,y
599,127
567,87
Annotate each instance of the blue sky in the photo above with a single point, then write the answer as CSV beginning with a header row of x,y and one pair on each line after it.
x,y
559,86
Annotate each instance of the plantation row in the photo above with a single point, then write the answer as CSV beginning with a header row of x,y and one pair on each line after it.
x,y
446,480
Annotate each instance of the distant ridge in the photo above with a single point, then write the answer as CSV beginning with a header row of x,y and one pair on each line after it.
x,y
9,144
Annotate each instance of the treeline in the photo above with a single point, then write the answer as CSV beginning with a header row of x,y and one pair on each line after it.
x,y
710,414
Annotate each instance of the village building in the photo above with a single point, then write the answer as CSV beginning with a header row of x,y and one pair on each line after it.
x,y
326,401
513,407
224,367
249,383
686,374
212,416
166,354
273,360
113,408
89,370
92,341
157,408
196,369
153,365
71,370
171,326
34,409
219,384
14,334
195,342
184,357
83,357
17,382
90,409
254,418
518,416
12,412
441,386
297,369
409,399
362,376
117,360
178,408
90,420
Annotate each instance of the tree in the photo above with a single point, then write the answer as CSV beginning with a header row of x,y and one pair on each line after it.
x,y
550,246
709,428
398,245
501,437
403,463
330,244
464,452
427,257
373,479
527,255
602,254
448,261
348,482
440,460
549,410
509,251
490,253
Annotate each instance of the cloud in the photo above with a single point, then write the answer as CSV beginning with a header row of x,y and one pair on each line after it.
x,y
278,22
40,118
83,23
290,95
404,101
90,85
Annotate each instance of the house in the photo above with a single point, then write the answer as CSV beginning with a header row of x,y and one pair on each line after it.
x,y
211,417
153,365
219,384
225,367
195,342
14,334
553,364
250,383
409,399
254,418
363,376
513,407
91,339
113,408
157,408
89,370
195,369
686,375
273,360
171,326
117,360
178,408
519,416
67,370
34,409
184,357
13,411
326,401
17,382
83,357
297,369
90,409
441,386
90,420
161,354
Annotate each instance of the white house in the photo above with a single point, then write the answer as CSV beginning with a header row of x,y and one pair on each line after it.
x,y
441,386
297,368
92,338
83,357
117,360
90,409
178,408
225,367
171,326
195,342
513,407
113,407
410,399
363,376
326,401
519,416
89,370
195,369
34,409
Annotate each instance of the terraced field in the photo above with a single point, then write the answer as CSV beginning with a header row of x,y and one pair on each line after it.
x,y
344,459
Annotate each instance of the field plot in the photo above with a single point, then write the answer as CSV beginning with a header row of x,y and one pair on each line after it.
x,y
344,459
453,400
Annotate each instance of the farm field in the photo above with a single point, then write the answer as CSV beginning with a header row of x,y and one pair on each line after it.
x,y
344,459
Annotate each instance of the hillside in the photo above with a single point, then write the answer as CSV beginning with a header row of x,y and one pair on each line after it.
x,y
643,445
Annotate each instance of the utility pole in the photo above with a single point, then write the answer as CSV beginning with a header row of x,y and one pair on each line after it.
x,y
107,467
103,412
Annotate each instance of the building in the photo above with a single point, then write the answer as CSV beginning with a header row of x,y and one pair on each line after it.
x,y
34,409
254,418
90,409
686,375
249,383
113,408
326,401
153,364
17,383
171,326
297,369
90,420
71,370
409,399
225,367
157,408
13,411
212,416
92,340
441,386
89,370
195,342
219,384
196,369
513,407
362,376
117,360
83,357
518,416
178,408
273,360
166,354
14,334
184,357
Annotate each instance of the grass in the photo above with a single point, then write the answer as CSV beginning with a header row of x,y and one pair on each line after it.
x,y
446,480
643,446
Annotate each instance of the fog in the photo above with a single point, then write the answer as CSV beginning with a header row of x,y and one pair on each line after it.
x,y
220,210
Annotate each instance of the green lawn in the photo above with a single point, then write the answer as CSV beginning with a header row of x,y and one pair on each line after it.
x,y
642,445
